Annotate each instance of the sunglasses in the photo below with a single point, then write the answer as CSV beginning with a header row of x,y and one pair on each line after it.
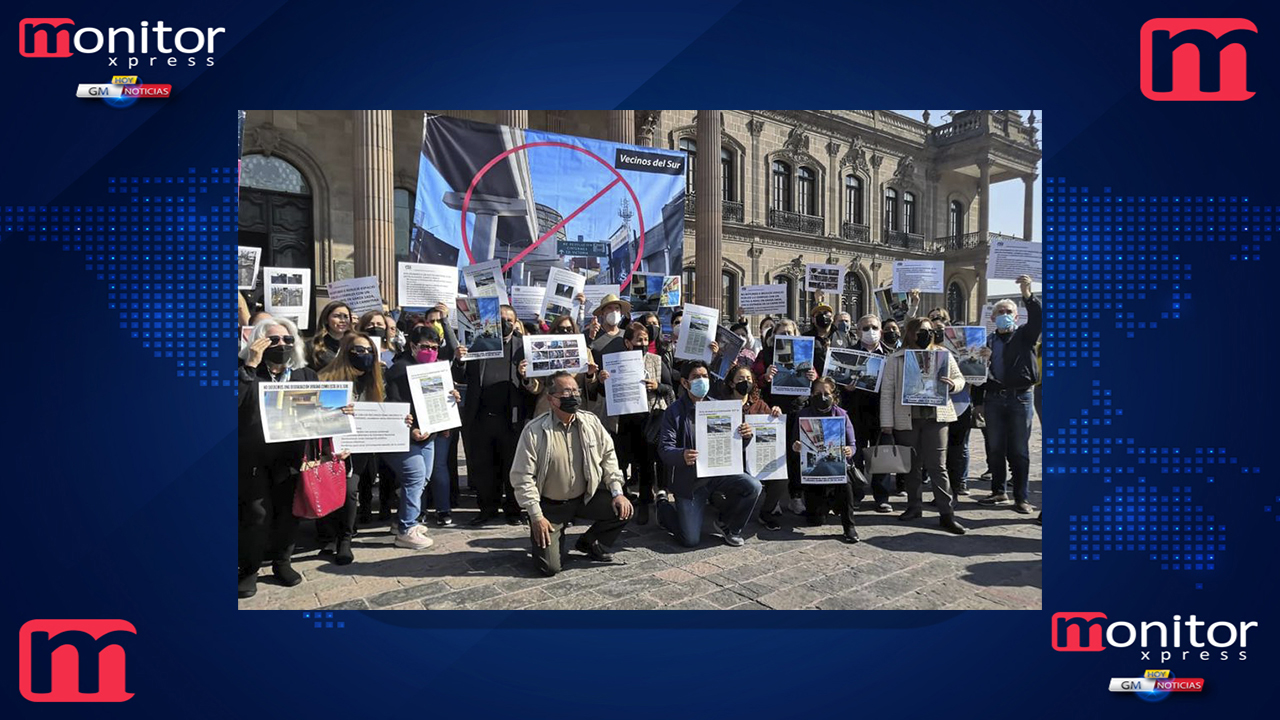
x,y
361,349
277,339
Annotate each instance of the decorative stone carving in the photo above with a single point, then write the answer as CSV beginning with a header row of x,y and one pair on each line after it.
x,y
755,126
905,174
265,139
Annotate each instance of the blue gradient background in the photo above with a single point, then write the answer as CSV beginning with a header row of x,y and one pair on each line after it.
x,y
121,462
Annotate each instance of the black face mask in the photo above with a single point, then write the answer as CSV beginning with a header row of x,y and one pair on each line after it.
x,y
360,361
562,331
937,334
380,333
508,327
569,404
890,337
923,338
655,332
823,320
822,403
276,354
743,387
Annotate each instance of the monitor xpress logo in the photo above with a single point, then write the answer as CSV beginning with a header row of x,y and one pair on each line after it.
x,y
143,46
74,660
1085,632
1197,59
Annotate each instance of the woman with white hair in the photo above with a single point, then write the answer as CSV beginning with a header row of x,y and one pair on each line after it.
x,y
268,473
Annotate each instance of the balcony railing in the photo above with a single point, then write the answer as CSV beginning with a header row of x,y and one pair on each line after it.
x,y
729,210
904,240
799,222
968,241
856,232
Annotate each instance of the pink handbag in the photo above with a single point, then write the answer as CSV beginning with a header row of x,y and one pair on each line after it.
x,y
322,487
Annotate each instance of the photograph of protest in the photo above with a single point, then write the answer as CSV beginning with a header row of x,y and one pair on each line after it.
x,y
302,411
968,346
822,459
793,358
541,207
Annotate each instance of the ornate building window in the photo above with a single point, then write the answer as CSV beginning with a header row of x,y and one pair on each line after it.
x,y
727,176
787,280
806,191
404,220
272,173
909,212
781,199
957,305
729,294
687,291
853,199
854,293
690,148
890,209
955,219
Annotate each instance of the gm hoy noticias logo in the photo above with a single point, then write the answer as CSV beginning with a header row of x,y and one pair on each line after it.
x,y
1087,632
75,660
1197,59
146,45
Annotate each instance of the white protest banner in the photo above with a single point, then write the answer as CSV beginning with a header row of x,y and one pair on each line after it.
x,y
360,294
249,258
825,278
526,300
421,285
925,275
380,428
716,437
287,292
431,387
697,330
768,299
624,390
304,410
561,296
549,354
767,452
1007,259
485,280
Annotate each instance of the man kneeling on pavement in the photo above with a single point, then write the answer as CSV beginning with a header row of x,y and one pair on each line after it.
x,y
565,468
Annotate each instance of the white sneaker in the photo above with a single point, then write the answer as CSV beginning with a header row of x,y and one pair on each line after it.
x,y
797,506
415,539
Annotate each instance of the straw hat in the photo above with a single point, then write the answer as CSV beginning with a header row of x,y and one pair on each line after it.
x,y
609,300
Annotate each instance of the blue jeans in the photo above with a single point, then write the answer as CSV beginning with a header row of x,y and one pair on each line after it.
x,y
440,473
411,469
684,520
1008,435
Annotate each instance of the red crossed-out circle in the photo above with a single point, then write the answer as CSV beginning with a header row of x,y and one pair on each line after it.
x,y
466,200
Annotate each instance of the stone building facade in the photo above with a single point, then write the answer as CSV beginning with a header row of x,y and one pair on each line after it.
x,y
768,192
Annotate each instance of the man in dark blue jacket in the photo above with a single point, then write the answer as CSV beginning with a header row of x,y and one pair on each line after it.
x,y
1005,401
683,517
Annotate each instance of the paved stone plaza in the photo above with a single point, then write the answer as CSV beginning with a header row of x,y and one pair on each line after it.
x,y
902,566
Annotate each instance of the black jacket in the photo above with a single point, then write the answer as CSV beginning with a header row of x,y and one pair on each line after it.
x,y
1021,368
471,373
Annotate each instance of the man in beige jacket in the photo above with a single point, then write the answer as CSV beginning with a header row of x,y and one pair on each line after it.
x,y
565,468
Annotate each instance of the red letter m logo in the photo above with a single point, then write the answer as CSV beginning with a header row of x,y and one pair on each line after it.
x,y
1197,59
40,37
74,660
1069,632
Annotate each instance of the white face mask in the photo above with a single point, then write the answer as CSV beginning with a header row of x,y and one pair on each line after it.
x,y
613,317
871,337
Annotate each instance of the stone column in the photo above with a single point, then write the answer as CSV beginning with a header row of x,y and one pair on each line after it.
x,y
875,198
1028,205
755,253
646,126
984,225
708,223
931,178
514,118
758,175
374,200
622,126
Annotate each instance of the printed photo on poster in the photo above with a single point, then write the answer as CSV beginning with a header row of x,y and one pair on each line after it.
x,y
890,304
646,292
549,354
822,460
485,280
966,345
858,369
487,342
729,346
561,298
921,370
823,278
716,437
304,410
248,266
697,330
287,292
793,357
431,389
767,452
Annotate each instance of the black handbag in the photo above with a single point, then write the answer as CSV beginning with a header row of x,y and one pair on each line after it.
x,y
858,479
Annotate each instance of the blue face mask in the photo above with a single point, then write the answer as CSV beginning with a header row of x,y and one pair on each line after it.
x,y
699,387
1005,323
